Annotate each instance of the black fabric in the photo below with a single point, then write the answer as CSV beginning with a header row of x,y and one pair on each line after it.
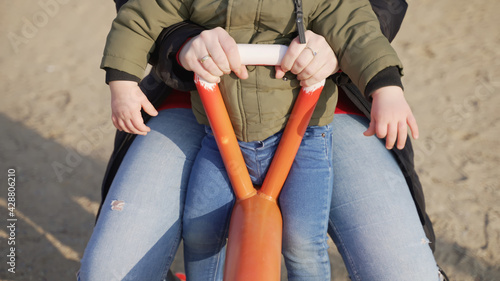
x,y
387,77
167,68
119,3
390,13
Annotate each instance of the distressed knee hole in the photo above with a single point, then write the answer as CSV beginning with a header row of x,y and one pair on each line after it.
x,y
425,241
117,205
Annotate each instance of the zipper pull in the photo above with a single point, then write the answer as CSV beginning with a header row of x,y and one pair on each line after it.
x,y
299,21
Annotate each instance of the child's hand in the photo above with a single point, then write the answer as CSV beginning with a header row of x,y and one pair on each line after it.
x,y
311,62
212,54
127,99
390,116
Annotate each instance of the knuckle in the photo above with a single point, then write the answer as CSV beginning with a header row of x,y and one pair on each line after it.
x,y
217,58
197,42
307,72
311,81
296,51
231,48
322,40
299,65
285,66
205,34
306,83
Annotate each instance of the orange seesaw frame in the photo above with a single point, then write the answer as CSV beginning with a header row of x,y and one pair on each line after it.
x,y
255,232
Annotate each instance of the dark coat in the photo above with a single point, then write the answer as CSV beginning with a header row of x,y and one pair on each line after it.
x,y
167,74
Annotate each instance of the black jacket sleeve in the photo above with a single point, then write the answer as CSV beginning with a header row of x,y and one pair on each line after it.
x,y
167,68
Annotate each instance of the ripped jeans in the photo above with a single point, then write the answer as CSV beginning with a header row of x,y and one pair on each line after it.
x,y
373,219
139,228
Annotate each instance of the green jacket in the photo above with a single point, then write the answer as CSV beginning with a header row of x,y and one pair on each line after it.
x,y
258,106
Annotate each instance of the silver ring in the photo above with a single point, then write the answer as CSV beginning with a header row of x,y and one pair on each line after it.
x,y
203,59
313,52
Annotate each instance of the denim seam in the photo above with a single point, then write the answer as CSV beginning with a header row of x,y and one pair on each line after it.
x,y
221,242
258,165
326,147
171,254
348,256
326,214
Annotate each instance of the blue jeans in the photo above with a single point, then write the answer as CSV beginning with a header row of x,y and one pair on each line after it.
x,y
139,228
304,202
373,218
381,239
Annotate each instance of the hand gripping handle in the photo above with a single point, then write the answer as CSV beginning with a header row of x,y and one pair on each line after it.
x,y
252,54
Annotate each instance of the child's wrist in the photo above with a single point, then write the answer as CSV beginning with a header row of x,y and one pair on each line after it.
x,y
123,82
115,74
121,87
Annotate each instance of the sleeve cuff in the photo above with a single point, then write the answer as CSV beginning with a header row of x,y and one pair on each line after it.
x,y
168,69
389,76
115,75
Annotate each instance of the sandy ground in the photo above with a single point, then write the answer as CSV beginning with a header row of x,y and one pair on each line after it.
x,y
57,134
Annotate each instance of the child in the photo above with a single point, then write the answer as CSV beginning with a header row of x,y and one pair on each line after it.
x,y
259,106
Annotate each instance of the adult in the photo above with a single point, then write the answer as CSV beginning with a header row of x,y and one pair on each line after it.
x,y
149,158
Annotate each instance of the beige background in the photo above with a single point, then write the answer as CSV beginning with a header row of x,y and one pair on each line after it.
x,y
54,111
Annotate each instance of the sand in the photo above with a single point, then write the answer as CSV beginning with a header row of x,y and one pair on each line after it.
x,y
57,134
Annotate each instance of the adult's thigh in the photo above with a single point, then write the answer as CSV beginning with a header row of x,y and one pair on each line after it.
x,y
373,218
138,229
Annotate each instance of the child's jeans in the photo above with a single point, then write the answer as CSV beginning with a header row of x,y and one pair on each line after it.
x,y
304,202
373,219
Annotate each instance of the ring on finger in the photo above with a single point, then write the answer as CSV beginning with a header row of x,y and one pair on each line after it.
x,y
314,53
204,58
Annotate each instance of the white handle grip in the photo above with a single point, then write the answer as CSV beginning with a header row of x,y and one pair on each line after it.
x,y
261,54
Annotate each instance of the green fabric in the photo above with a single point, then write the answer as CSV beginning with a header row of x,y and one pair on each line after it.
x,y
258,106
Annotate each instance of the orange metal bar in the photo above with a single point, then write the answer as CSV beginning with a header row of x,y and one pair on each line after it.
x,y
290,141
226,139
255,232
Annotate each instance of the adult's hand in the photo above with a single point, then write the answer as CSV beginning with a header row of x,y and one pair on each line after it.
x,y
212,54
311,62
